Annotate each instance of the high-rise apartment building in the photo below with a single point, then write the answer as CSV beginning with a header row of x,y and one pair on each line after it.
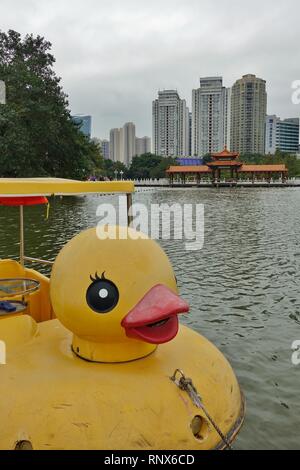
x,y
282,135
105,148
128,142
227,119
170,117
248,114
210,116
122,143
116,145
190,134
142,145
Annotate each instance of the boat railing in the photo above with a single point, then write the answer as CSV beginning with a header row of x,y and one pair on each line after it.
x,y
38,260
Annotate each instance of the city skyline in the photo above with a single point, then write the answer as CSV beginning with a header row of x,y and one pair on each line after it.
x,y
116,58
235,118
215,86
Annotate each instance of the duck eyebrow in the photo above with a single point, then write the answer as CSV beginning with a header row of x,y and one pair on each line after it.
x,y
97,278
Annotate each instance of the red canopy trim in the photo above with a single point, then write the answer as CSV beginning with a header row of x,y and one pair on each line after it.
x,y
23,201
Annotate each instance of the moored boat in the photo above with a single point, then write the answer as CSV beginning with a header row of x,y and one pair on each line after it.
x,y
95,355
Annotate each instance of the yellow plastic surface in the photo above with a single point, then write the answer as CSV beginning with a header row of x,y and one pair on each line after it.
x,y
55,400
60,187
134,266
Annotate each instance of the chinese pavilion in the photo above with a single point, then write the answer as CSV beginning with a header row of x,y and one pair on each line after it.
x,y
224,161
227,161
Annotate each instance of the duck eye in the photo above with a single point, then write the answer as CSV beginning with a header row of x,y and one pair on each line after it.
x,y
102,296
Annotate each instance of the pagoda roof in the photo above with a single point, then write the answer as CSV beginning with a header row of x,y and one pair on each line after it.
x,y
224,163
225,154
263,168
189,169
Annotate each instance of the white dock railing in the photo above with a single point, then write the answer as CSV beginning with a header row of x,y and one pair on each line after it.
x,y
166,182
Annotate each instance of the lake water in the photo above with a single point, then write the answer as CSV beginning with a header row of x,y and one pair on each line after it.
x,y
243,288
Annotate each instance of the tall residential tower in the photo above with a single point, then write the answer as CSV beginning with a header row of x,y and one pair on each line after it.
x,y
128,142
170,125
210,116
115,145
142,145
105,148
248,114
122,143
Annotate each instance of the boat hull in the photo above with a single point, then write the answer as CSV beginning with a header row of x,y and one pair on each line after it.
x,y
55,400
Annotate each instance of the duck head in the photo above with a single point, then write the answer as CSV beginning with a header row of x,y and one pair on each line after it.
x,y
118,296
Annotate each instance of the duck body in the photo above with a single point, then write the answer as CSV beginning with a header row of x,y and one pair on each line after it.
x,y
99,375
55,400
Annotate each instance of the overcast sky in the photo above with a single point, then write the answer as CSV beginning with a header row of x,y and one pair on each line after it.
x,y
113,55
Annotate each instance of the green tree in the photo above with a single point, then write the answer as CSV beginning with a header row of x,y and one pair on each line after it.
x,y
149,165
159,171
110,167
207,158
37,134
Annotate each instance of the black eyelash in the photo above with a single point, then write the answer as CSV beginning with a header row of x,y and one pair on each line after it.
x,y
97,278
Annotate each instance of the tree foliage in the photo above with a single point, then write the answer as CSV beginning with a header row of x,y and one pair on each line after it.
x,y
110,168
207,158
37,134
149,165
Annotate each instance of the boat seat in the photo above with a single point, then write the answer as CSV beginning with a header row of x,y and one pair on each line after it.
x,y
10,268
39,306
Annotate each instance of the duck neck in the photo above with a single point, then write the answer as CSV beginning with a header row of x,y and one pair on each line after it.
x,y
108,352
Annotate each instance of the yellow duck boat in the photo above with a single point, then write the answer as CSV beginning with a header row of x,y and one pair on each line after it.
x,y
95,357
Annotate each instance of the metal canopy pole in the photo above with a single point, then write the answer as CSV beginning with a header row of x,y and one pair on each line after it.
x,y
21,236
129,209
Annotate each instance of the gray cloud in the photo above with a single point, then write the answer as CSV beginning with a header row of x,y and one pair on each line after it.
x,y
114,55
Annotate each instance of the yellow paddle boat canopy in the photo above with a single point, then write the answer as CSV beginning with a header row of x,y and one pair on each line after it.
x,y
32,191
15,187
